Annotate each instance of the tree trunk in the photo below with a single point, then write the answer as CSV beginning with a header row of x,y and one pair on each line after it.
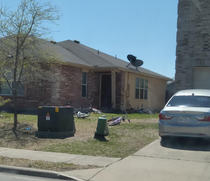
x,y
15,111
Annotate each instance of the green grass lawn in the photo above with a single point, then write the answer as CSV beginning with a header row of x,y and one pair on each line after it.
x,y
123,140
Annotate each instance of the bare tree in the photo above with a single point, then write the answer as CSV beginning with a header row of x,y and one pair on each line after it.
x,y
24,55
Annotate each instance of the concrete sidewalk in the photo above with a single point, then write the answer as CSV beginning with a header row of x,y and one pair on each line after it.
x,y
58,157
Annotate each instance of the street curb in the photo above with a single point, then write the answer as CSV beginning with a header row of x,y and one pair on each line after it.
x,y
37,173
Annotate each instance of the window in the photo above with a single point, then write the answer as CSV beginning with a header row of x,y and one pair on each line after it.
x,y
21,90
84,84
5,90
137,88
189,101
141,91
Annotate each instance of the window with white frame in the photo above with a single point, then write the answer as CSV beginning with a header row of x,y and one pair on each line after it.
x,y
5,90
84,84
141,91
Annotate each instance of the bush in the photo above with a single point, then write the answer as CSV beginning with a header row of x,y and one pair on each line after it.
x,y
3,101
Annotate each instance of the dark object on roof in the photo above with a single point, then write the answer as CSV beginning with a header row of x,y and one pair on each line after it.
x,y
133,61
76,41
54,42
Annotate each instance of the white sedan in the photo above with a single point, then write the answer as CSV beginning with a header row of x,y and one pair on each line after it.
x,y
187,114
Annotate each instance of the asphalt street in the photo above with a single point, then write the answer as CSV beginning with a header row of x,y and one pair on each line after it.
x,y
17,177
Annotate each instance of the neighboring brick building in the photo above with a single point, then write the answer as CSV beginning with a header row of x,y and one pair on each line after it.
x,y
90,77
193,45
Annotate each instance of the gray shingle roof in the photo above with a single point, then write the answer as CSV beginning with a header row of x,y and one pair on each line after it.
x,y
71,52
64,54
96,58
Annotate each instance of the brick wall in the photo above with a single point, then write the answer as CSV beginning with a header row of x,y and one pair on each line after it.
x,y
120,84
193,40
67,91
93,81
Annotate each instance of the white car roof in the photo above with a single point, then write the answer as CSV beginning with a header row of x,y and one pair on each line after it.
x,y
196,92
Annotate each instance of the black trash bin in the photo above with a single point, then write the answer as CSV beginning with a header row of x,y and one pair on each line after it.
x,y
55,122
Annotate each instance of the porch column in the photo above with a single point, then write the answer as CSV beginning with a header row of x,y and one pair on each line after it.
x,y
113,75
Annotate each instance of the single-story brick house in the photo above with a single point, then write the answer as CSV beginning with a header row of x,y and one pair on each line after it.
x,y
93,77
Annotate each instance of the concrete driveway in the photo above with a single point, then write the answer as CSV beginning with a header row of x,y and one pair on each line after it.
x,y
177,159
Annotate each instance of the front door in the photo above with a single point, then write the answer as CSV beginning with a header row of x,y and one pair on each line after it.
x,y
106,91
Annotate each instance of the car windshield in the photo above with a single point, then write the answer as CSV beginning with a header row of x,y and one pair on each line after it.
x,y
189,101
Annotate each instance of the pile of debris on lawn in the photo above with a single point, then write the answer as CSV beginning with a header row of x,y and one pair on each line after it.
x,y
131,110
141,111
81,112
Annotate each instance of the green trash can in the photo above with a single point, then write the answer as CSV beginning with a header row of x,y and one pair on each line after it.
x,y
102,129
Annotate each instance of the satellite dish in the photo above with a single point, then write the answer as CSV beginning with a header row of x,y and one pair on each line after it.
x,y
133,61
131,57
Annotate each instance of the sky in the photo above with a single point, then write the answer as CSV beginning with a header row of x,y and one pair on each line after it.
x,y
144,28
